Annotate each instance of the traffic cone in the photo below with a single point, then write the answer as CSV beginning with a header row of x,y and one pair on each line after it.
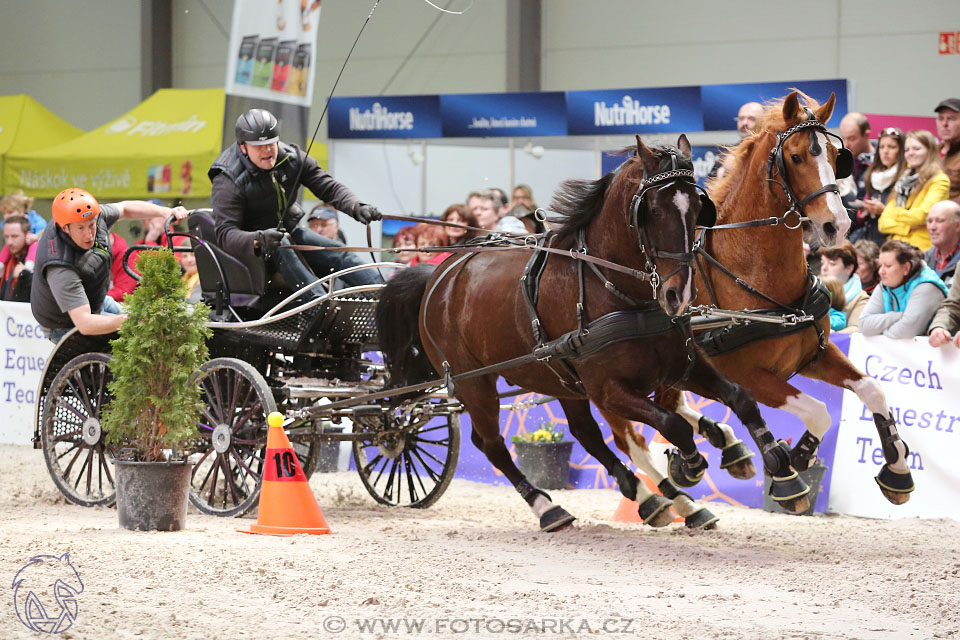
x,y
287,505
628,510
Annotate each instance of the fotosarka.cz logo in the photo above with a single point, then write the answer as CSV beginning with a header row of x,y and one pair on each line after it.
x,y
45,593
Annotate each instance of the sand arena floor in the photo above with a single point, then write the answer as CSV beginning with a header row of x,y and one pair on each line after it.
x,y
475,565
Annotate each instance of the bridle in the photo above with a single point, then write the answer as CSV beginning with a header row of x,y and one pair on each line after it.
x,y
636,218
776,161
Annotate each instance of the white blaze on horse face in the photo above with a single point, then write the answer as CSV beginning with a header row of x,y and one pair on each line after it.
x,y
813,413
681,201
827,176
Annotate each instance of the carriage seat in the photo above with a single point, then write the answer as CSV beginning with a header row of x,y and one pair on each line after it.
x,y
246,280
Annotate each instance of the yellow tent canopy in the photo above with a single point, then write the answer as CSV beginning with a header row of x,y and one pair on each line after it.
x,y
162,148
26,125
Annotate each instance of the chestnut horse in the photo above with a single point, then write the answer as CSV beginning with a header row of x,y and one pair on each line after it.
x,y
624,339
770,261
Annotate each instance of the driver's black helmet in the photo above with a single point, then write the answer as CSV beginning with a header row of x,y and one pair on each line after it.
x,y
257,127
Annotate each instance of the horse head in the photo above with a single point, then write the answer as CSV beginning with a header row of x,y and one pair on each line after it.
x,y
806,165
665,211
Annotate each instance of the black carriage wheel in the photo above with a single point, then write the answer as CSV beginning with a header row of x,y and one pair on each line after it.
x,y
74,447
232,437
414,472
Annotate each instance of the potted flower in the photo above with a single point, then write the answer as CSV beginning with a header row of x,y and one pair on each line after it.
x,y
544,456
156,400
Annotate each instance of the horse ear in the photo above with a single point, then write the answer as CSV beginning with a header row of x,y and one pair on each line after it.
x,y
826,110
684,145
644,153
791,109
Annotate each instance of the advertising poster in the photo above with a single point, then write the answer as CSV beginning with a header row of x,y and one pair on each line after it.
x,y
270,64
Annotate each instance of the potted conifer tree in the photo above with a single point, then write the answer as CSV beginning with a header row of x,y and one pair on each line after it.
x,y
156,399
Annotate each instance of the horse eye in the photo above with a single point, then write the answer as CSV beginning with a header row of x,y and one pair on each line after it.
x,y
796,159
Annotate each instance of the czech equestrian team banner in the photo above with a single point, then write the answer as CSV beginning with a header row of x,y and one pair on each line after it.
x,y
22,358
921,385
593,112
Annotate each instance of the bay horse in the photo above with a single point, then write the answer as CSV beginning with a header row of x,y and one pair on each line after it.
x,y
786,165
615,338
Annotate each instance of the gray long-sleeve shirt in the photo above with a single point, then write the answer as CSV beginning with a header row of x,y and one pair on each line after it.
x,y
909,323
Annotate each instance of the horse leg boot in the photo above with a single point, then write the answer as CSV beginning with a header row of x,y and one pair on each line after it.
x,y
786,487
632,443
735,456
894,479
479,398
654,509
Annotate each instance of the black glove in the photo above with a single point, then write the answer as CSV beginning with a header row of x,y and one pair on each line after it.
x,y
269,240
366,213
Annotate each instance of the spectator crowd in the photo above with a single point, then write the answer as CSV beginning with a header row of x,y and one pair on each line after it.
x,y
894,276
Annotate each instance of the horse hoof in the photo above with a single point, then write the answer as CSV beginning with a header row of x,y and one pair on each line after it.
x,y
655,511
743,470
701,519
895,487
555,519
736,460
796,506
895,498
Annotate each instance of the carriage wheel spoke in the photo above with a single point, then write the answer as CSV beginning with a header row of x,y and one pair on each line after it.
x,y
64,404
70,434
433,474
215,470
80,391
79,448
103,463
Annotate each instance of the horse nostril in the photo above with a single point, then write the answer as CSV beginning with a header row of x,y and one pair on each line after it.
x,y
830,229
673,299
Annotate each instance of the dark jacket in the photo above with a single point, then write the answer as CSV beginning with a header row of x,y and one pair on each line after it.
x,y
246,198
930,257
55,248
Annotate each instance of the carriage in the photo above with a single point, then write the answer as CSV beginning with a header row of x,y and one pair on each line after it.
x,y
316,362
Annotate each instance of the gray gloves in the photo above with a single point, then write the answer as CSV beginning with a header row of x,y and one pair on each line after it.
x,y
269,240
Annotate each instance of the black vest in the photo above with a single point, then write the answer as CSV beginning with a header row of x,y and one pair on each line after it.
x,y
55,248
266,192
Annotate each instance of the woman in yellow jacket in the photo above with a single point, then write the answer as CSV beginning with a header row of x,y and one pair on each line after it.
x,y
921,185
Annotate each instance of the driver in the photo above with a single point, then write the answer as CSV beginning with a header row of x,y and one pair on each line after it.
x,y
254,179
72,272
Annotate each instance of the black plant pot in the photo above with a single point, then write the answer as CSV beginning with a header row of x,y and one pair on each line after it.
x,y
546,464
153,496
328,453
813,476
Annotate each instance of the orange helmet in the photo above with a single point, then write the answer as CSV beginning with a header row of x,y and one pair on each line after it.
x,y
74,205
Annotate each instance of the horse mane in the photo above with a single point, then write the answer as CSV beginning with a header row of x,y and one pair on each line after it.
x,y
737,156
578,201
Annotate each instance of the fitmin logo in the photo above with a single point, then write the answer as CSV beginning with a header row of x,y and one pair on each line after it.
x,y
132,126
379,118
45,594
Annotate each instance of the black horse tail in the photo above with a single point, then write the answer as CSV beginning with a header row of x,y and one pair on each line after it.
x,y
398,315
